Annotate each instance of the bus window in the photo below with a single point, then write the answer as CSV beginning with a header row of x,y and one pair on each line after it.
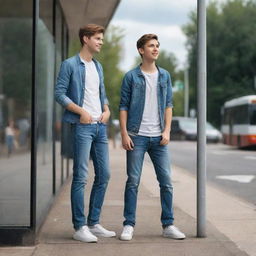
x,y
253,114
241,114
226,115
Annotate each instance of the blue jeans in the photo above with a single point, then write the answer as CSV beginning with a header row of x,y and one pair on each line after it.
x,y
89,139
10,143
161,161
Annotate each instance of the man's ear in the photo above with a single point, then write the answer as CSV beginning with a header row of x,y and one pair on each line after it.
x,y
141,51
85,39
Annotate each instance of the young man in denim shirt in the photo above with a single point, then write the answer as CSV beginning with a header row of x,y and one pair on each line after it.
x,y
145,119
80,90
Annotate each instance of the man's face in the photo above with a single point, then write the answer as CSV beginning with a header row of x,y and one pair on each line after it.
x,y
94,43
150,51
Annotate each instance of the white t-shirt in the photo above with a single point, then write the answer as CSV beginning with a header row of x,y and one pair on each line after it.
x,y
150,123
92,91
9,131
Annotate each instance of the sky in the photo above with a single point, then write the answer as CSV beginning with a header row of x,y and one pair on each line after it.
x,y
162,17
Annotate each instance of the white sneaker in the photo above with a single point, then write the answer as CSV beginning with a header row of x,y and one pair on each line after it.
x,y
173,232
98,230
127,233
84,235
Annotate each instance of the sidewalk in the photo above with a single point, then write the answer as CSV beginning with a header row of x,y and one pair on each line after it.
x,y
226,235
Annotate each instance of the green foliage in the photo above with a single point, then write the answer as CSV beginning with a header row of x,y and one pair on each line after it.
x,y
169,62
16,62
110,57
178,103
74,47
231,53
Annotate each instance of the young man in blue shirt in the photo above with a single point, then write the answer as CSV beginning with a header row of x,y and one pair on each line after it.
x,y
80,90
145,119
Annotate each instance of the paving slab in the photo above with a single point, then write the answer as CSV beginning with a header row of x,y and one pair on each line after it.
x,y
55,238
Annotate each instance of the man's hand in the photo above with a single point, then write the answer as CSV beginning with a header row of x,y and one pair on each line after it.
x,y
85,117
105,116
127,142
165,138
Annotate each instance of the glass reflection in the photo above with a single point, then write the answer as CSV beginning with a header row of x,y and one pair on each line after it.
x,y
15,112
44,84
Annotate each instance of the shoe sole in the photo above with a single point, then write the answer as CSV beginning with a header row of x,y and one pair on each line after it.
x,y
106,236
176,238
90,241
125,239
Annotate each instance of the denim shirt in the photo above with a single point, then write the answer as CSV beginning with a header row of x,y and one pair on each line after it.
x,y
133,93
70,86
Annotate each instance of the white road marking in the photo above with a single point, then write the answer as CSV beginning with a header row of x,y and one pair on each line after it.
x,y
219,153
238,178
250,157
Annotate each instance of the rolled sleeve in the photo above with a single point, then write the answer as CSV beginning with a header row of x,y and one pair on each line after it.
x,y
123,108
62,85
106,102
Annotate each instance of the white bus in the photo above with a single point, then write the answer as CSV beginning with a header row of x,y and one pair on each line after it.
x,y
239,121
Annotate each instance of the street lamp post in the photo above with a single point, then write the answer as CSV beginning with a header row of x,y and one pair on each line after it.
x,y
201,118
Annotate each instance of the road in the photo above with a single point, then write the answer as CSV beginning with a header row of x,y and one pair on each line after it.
x,y
229,168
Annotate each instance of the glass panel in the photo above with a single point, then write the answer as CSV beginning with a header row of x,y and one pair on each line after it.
x,y
46,13
62,131
241,114
44,99
15,111
58,124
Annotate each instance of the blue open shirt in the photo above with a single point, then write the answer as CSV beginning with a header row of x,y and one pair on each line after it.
x,y
133,97
70,86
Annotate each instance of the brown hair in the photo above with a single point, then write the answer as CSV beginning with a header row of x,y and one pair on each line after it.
x,y
90,30
144,39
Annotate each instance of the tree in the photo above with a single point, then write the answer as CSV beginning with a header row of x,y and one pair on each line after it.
x,y
231,53
110,57
16,65
169,62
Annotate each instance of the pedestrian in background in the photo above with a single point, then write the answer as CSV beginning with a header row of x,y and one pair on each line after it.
x,y
9,137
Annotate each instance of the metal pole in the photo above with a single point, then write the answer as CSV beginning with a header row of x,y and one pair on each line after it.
x,y
186,92
201,118
33,181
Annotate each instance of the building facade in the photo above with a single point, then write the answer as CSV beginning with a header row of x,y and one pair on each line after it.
x,y
34,161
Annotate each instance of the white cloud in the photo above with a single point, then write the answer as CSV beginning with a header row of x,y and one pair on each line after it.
x,y
171,38
162,17
160,12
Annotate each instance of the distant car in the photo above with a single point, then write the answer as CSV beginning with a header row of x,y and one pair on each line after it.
x,y
185,128
115,122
